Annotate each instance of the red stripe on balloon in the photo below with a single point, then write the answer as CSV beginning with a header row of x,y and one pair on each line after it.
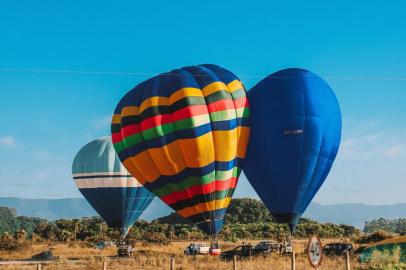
x,y
189,112
157,120
130,130
116,137
241,103
216,185
221,105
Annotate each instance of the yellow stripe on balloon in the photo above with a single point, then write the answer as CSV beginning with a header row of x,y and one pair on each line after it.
x,y
198,152
213,87
234,86
224,141
204,207
116,119
195,153
225,144
130,111
134,171
142,167
185,92
243,137
168,158
153,102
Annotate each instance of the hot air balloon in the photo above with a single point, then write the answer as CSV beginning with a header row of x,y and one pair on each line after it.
x,y
296,131
183,135
101,178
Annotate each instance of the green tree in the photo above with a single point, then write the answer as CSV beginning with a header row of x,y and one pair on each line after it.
x,y
397,226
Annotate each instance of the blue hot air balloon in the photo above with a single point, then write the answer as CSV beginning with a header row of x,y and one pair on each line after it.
x,y
115,195
295,136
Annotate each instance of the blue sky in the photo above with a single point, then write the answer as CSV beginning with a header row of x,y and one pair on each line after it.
x,y
45,117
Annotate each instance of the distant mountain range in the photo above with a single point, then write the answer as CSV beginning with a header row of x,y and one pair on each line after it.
x,y
351,214
53,209
354,214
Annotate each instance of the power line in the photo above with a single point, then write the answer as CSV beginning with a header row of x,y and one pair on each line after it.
x,y
76,71
125,73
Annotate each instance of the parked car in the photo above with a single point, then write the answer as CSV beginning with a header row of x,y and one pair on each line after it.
x,y
125,250
262,247
240,251
337,249
197,248
44,256
266,247
105,244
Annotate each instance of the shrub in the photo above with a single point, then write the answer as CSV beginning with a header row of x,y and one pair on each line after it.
x,y
155,237
374,237
386,260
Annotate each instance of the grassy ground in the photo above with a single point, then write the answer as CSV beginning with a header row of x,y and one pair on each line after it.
x,y
79,257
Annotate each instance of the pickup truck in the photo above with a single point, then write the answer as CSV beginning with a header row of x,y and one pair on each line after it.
x,y
197,248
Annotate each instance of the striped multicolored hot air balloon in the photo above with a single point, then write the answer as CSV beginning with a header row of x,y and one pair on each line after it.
x,y
115,195
183,135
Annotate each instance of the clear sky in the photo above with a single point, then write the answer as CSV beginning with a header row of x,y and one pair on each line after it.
x,y
359,47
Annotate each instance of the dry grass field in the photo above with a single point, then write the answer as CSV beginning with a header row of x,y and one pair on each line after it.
x,y
77,256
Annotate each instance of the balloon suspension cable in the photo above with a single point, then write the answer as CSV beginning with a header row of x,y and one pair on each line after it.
x,y
291,232
290,235
120,239
290,239
214,242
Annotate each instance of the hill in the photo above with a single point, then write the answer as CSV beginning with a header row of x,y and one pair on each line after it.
x,y
50,209
351,214
53,209
354,214
240,211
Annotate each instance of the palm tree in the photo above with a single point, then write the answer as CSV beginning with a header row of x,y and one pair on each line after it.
x,y
21,235
64,235
35,237
77,226
6,237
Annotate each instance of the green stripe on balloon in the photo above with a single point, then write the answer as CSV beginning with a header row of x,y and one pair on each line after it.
x,y
158,131
132,140
209,197
188,123
195,181
240,93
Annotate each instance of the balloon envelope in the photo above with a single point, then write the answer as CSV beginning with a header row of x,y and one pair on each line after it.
x,y
115,195
184,134
296,130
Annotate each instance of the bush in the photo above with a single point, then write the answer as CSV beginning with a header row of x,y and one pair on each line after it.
x,y
386,260
155,237
374,237
7,242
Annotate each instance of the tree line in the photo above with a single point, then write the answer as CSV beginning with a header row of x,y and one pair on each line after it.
x,y
245,219
397,226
